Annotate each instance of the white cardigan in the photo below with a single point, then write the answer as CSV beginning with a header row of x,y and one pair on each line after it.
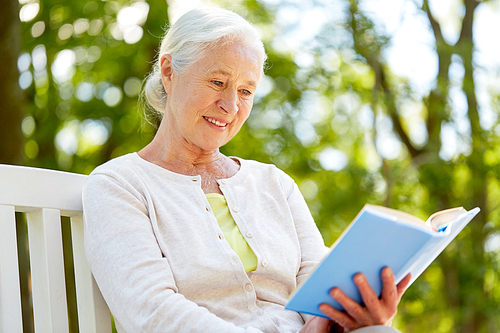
x,y
161,260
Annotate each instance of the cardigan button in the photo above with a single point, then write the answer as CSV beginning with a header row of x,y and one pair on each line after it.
x,y
260,312
249,234
236,209
248,287
264,263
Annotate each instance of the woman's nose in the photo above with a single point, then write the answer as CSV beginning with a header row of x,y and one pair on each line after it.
x,y
229,102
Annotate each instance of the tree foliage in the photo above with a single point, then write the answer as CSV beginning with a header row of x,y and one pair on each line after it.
x,y
87,68
326,123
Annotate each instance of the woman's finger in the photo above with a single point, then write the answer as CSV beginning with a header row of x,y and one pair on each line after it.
x,y
403,285
357,312
342,318
389,291
371,300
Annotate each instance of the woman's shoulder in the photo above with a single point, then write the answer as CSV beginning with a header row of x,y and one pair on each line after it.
x,y
122,170
117,175
119,165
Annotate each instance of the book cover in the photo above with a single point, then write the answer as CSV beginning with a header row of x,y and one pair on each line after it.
x,y
376,238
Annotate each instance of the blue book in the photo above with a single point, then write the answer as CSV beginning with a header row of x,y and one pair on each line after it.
x,y
378,237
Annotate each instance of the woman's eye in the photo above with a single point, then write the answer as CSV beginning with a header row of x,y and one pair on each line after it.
x,y
246,92
218,83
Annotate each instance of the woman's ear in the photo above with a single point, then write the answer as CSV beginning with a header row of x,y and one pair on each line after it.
x,y
166,72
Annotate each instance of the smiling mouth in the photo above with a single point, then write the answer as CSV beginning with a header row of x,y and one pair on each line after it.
x,y
215,122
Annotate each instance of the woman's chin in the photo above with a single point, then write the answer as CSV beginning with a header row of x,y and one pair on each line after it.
x,y
211,145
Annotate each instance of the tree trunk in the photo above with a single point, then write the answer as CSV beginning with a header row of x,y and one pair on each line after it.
x,y
11,95
474,319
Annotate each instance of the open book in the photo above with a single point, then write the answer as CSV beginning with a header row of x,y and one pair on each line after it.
x,y
378,237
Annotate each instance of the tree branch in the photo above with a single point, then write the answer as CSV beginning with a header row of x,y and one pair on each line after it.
x,y
465,47
371,52
437,99
468,20
436,28
393,112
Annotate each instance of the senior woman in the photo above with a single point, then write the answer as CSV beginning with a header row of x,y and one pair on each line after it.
x,y
181,238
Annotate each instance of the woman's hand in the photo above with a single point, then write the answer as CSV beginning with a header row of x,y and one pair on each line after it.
x,y
375,312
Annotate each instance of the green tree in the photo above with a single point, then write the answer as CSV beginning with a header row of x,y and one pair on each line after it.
x,y
463,266
88,60
459,291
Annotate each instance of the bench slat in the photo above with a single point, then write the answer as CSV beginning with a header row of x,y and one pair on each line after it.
x,y
93,313
10,296
47,271
30,188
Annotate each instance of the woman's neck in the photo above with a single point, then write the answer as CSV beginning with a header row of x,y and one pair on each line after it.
x,y
183,159
177,156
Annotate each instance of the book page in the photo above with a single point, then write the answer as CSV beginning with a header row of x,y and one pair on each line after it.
x,y
444,217
434,222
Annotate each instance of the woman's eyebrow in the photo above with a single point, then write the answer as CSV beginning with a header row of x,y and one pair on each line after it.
x,y
223,72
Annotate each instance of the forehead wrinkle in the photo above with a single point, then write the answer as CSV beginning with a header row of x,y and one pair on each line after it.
x,y
219,71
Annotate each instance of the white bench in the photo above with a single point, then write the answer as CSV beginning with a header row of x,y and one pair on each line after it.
x,y
45,195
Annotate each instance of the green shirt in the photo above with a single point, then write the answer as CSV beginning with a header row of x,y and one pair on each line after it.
x,y
231,232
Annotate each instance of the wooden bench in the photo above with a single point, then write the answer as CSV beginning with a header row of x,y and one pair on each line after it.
x,y
45,196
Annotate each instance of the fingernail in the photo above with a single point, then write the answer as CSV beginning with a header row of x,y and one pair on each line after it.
x,y
386,272
359,278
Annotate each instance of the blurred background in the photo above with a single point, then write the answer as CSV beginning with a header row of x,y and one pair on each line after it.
x,y
389,102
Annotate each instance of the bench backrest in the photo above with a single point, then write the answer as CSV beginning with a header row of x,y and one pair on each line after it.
x,y
44,196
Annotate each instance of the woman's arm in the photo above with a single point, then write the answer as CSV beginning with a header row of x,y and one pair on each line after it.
x,y
312,246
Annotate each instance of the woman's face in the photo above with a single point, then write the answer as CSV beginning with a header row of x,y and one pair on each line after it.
x,y
210,101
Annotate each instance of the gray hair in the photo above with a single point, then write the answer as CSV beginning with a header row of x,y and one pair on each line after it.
x,y
190,37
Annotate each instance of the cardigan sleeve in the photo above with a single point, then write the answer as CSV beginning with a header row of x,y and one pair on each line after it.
x,y
312,246
129,268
